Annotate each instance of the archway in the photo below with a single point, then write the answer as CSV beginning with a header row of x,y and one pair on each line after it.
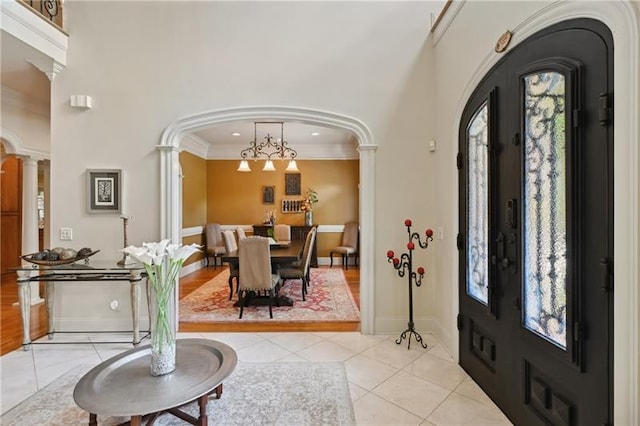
x,y
170,218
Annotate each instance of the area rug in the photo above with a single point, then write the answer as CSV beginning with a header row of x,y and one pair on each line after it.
x,y
255,394
328,299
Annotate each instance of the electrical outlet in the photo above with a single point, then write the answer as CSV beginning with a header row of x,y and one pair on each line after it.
x,y
440,233
66,234
432,146
114,305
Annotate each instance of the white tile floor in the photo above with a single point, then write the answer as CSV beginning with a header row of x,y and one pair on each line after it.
x,y
390,385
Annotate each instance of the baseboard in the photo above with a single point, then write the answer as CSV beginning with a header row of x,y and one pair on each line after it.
x,y
100,324
192,267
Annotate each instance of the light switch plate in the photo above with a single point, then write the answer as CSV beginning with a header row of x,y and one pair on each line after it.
x,y
66,234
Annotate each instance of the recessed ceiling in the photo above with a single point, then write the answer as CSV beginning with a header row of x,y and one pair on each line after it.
x,y
226,140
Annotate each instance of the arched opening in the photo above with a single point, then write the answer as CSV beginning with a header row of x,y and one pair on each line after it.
x,y
171,221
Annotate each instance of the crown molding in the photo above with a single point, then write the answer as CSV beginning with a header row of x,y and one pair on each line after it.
x,y
195,145
231,151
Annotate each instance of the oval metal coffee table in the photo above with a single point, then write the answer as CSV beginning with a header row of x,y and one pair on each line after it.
x,y
123,385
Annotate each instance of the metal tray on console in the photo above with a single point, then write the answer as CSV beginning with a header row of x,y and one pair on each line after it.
x,y
124,386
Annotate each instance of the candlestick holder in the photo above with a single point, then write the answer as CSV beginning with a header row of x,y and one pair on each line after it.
x,y
404,266
126,259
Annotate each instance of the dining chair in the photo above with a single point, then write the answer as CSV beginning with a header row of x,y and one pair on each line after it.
x,y
255,271
214,244
300,271
282,232
349,245
241,234
231,245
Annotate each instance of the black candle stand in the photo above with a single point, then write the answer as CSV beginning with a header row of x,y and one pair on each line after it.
x,y
404,265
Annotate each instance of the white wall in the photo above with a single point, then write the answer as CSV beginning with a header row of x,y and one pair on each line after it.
x,y
463,55
26,118
166,60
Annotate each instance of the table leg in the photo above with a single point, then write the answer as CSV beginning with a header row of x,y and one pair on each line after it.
x,y
49,297
24,300
218,391
93,419
135,279
202,403
136,420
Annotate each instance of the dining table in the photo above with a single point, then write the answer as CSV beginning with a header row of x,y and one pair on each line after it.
x,y
282,253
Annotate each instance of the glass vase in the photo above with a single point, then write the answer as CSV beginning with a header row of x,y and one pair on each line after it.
x,y
163,331
308,218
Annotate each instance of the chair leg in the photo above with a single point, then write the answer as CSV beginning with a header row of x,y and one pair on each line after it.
x,y
241,297
304,288
230,287
331,257
345,261
270,303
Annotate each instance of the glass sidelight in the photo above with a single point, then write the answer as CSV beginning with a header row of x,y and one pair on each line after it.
x,y
478,206
545,207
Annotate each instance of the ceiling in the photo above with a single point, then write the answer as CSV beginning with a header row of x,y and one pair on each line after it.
x,y
226,140
18,74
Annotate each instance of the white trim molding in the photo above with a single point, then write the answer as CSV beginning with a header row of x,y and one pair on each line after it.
x,y
622,19
170,208
15,146
33,30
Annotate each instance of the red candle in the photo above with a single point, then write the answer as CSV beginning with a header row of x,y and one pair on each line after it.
x,y
411,246
396,260
421,270
407,222
429,232
390,254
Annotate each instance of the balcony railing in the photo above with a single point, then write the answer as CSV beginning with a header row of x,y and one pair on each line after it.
x,y
51,10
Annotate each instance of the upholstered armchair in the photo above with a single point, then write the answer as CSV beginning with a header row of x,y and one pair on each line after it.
x,y
231,245
255,271
301,269
214,244
349,245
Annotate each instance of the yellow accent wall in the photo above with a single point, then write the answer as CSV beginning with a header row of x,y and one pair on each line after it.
x,y
236,198
194,198
194,190
214,191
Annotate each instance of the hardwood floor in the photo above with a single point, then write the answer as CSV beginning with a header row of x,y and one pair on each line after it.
x,y
192,281
11,323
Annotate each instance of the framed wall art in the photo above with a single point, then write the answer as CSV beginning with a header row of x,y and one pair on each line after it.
x,y
292,184
268,195
104,190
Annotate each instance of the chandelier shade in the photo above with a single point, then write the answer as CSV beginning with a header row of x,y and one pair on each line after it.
x,y
269,150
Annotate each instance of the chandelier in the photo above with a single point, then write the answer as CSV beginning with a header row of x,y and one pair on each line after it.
x,y
270,148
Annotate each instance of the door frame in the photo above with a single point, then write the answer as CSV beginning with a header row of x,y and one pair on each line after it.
x,y
623,21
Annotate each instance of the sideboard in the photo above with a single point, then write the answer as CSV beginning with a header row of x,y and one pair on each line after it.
x,y
298,233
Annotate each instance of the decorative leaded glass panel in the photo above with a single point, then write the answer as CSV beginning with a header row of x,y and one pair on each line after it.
x,y
545,207
477,206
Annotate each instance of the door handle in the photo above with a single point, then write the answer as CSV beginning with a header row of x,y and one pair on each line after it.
x,y
500,258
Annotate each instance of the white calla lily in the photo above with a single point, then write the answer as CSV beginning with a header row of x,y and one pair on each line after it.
x,y
162,262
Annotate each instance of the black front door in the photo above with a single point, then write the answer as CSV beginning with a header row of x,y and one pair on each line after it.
x,y
536,226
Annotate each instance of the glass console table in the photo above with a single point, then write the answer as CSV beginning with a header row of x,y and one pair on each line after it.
x,y
80,271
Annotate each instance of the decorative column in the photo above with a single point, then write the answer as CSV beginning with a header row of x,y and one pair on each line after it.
x,y
30,215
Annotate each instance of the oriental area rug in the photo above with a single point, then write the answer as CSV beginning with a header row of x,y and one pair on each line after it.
x,y
296,393
328,299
